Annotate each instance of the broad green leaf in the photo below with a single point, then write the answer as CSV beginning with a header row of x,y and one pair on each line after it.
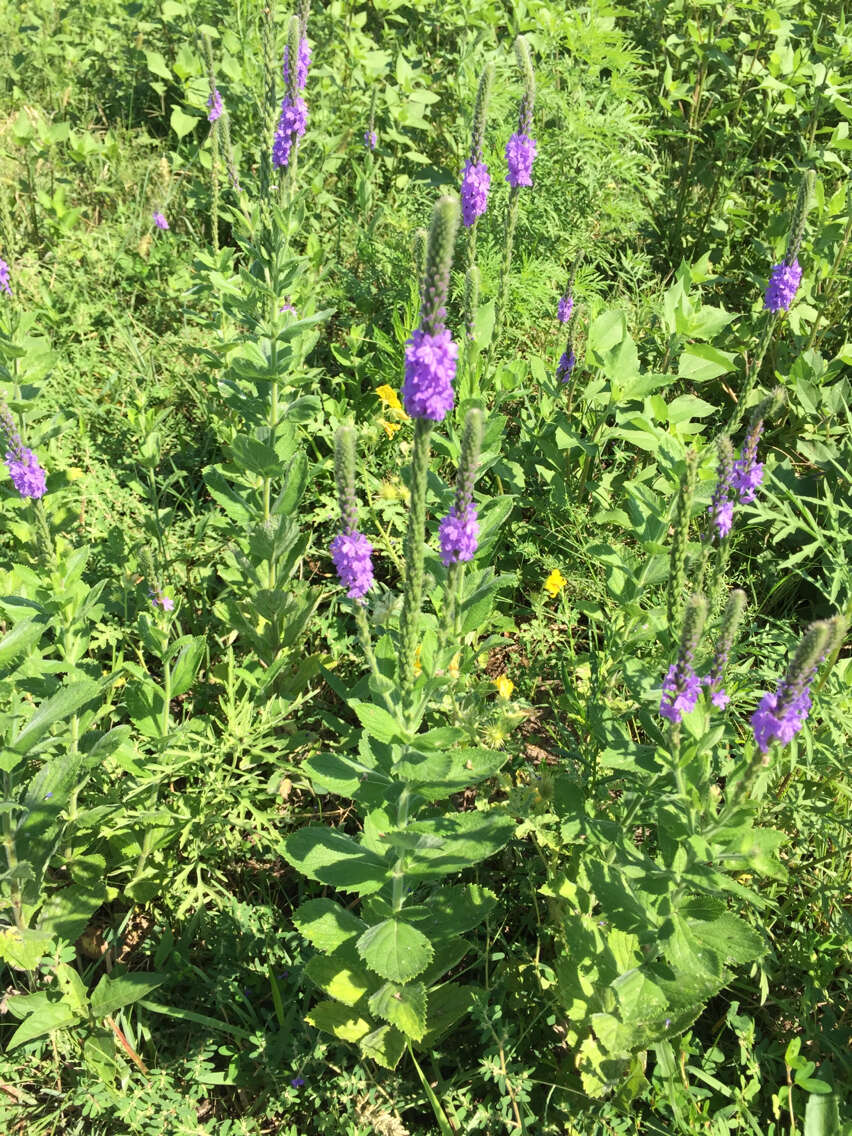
x,y
46,1011
403,1006
342,775
466,839
66,913
395,950
182,123
185,667
66,702
378,723
327,925
730,936
445,1006
821,1114
338,1020
455,909
340,978
157,65
331,857
227,495
23,949
385,1046
701,362
20,638
113,992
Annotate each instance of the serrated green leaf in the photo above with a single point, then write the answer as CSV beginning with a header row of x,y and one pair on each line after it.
x,y
327,925
404,1006
338,1020
385,1046
20,638
23,949
58,707
332,857
378,723
341,978
445,1006
456,909
395,950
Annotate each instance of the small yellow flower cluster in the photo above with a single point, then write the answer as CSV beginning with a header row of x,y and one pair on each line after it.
x,y
504,685
396,415
554,583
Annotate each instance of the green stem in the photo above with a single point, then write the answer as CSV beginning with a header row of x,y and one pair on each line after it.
x,y
399,867
505,271
414,540
11,855
167,697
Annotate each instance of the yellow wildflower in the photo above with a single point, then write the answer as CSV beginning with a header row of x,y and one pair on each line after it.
x,y
555,582
390,428
504,685
453,668
418,666
389,397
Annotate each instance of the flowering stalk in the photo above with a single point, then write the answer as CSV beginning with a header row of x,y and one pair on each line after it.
x,y
294,110
681,686
459,530
779,293
727,634
430,364
476,179
680,540
214,113
27,476
719,519
270,70
520,152
350,549
780,716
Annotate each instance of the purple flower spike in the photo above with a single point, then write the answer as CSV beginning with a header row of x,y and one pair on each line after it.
x,y
371,139
214,107
780,716
430,367
161,600
302,64
520,152
723,516
771,723
459,536
565,308
476,181
27,475
566,365
681,688
721,508
5,274
291,125
783,284
351,553
747,480
748,471
160,221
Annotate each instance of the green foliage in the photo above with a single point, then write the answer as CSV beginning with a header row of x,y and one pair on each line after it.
x,y
275,860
